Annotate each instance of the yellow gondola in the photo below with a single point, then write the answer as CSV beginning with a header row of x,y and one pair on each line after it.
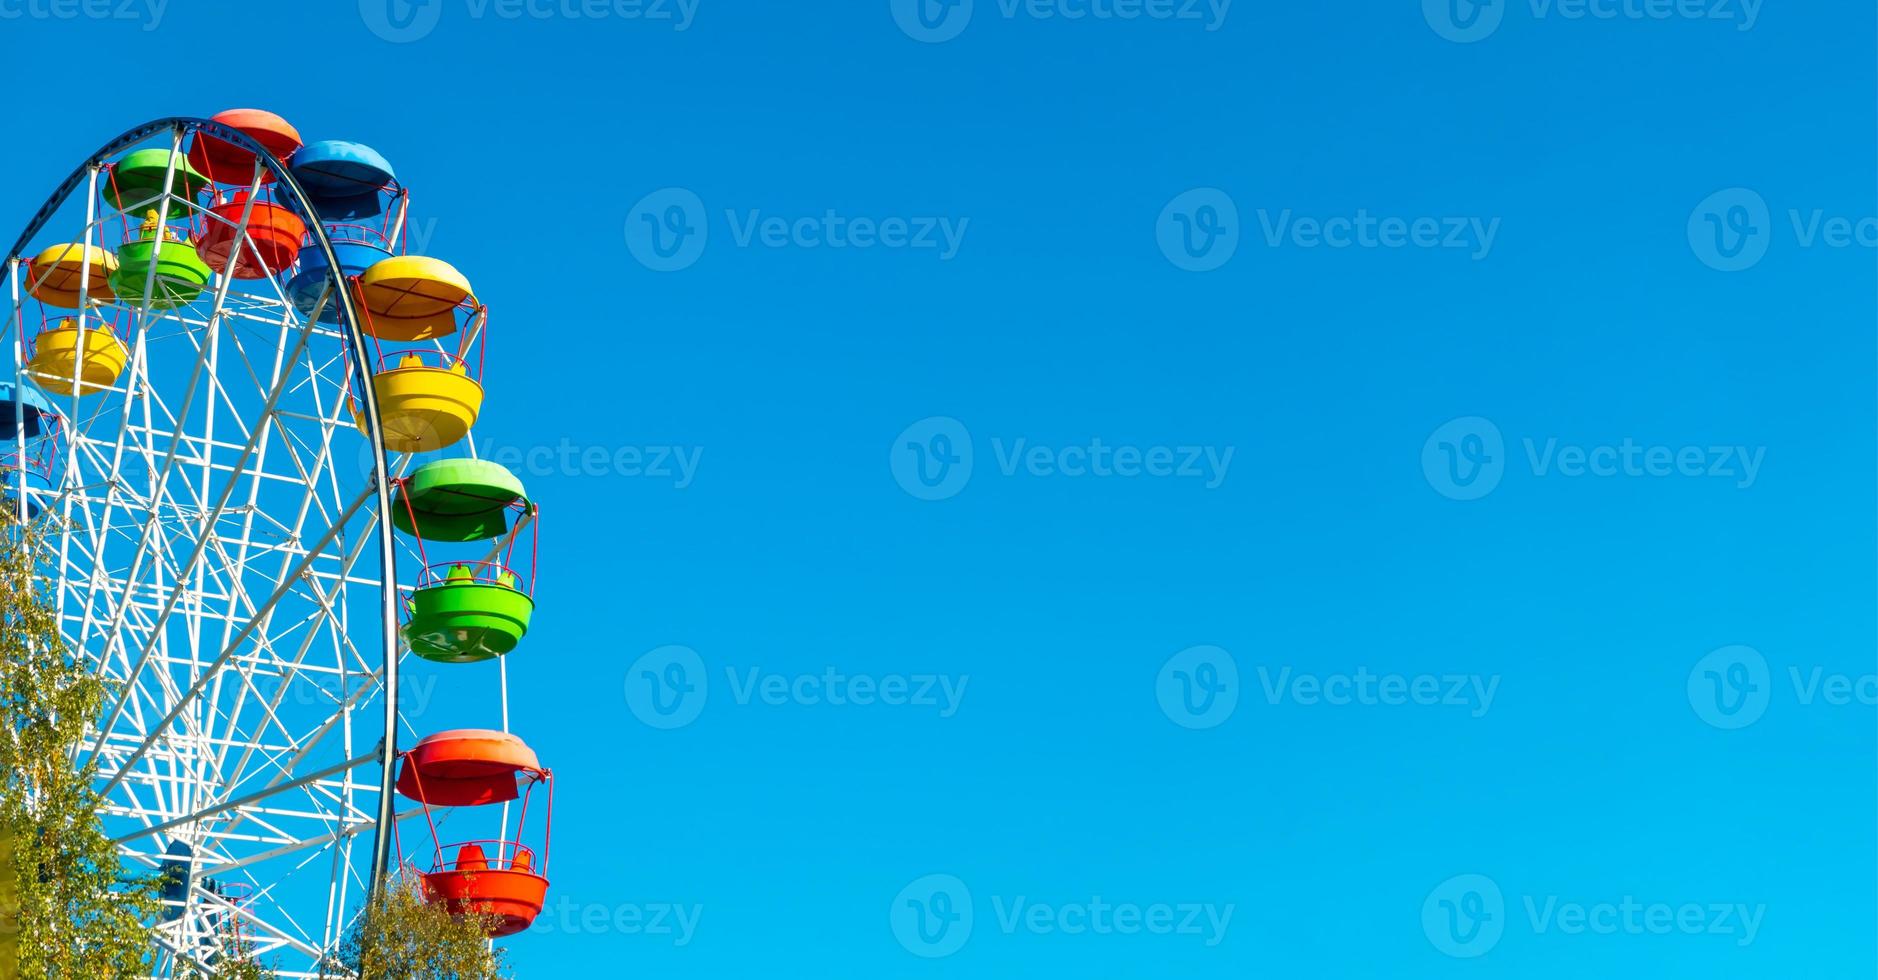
x,y
412,297
54,275
56,355
422,406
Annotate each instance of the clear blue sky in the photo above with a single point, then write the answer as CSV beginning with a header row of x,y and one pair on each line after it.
x,y
1602,318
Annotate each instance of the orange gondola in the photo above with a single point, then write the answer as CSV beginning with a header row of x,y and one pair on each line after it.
x,y
476,768
225,163
273,240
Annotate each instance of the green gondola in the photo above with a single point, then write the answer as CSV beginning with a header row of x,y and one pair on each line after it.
x,y
135,182
468,611
472,614
181,275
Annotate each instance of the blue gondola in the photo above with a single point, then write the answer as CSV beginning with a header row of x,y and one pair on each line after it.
x,y
343,179
31,410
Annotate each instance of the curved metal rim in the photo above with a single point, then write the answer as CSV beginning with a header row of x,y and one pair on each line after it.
x,y
289,192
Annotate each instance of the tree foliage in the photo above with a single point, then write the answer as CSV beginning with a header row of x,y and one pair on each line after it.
x,y
240,966
76,916
401,936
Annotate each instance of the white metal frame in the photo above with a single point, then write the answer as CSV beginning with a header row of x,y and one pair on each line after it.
x,y
213,559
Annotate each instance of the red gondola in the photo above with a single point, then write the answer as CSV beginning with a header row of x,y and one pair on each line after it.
x,y
499,878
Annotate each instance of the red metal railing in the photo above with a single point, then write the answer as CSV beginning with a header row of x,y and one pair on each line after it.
x,y
482,572
355,234
113,319
497,855
39,461
508,554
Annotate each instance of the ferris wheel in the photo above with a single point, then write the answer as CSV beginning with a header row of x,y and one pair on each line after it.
x,y
244,414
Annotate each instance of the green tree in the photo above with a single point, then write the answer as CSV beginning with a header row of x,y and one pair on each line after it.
x,y
74,913
235,962
241,966
402,936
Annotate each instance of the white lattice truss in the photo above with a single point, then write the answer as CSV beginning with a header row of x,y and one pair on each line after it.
x,y
216,557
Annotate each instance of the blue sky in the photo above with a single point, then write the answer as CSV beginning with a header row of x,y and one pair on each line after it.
x,y
1457,512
